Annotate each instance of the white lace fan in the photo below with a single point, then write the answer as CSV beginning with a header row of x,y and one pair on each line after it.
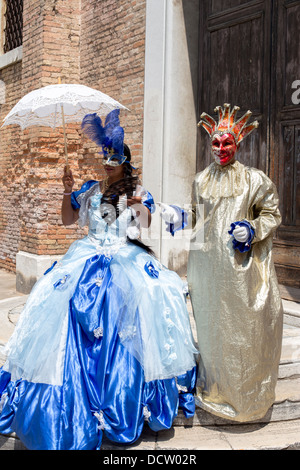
x,y
55,105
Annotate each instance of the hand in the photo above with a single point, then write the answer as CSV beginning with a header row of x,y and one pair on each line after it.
x,y
131,201
241,233
68,180
134,201
168,213
139,210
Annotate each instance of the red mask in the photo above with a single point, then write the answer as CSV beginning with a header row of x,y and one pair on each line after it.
x,y
224,147
227,133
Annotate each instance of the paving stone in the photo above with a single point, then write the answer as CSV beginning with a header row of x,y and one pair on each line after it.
x,y
147,442
273,436
11,443
193,438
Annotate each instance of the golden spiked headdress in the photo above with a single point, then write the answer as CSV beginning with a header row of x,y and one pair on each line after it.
x,y
227,123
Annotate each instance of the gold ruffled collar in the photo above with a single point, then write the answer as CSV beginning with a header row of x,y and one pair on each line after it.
x,y
221,181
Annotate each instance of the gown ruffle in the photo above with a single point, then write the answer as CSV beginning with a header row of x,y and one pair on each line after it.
x,y
103,344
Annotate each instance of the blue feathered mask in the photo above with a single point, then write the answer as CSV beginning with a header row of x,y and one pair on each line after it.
x,y
110,136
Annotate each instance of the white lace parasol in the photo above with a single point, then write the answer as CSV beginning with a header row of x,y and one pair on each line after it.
x,y
55,105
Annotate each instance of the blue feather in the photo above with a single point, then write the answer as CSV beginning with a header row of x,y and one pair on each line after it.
x,y
112,119
111,135
92,126
117,140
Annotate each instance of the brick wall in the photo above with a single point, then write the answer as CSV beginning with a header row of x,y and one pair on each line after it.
x,y
112,59
10,190
100,45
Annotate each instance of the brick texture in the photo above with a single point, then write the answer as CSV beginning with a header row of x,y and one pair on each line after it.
x,y
99,44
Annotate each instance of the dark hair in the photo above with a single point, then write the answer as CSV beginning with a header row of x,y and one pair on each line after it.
x,y
128,174
127,152
127,166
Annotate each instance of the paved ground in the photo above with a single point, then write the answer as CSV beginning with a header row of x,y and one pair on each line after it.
x,y
280,431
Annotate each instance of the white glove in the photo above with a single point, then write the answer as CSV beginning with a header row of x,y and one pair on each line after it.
x,y
241,233
168,213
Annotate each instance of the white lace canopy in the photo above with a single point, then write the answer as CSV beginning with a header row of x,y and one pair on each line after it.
x,y
42,107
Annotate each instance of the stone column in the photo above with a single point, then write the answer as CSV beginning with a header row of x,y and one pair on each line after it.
x,y
170,120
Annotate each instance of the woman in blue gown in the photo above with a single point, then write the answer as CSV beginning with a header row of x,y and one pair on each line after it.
x,y
104,341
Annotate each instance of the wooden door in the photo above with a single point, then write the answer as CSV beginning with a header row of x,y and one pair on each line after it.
x,y
234,68
250,57
285,139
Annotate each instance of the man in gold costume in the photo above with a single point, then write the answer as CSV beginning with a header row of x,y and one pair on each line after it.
x,y
231,276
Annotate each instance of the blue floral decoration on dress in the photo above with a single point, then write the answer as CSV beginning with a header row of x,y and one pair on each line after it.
x,y
150,270
60,284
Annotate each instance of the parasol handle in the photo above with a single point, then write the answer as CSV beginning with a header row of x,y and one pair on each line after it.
x,y
65,138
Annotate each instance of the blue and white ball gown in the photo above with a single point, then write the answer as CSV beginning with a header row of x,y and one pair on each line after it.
x,y
103,344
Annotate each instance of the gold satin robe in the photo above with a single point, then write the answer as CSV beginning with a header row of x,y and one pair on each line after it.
x,y
235,296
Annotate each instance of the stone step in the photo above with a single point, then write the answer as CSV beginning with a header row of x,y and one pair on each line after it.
x,y
290,352
271,436
285,408
291,313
